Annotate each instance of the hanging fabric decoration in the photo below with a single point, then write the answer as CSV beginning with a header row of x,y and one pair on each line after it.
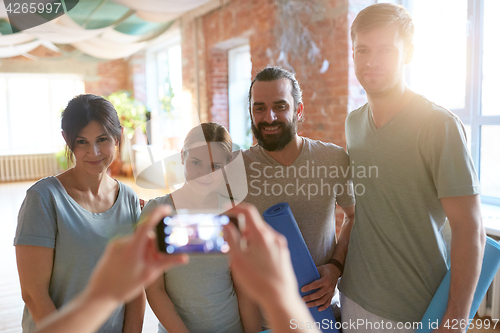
x,y
100,28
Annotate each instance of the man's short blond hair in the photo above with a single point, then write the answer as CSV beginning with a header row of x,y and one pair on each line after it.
x,y
384,14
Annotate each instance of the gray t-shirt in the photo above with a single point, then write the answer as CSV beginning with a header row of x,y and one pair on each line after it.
x,y
397,255
49,217
202,291
316,180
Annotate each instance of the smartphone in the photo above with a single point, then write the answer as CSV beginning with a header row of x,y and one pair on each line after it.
x,y
194,233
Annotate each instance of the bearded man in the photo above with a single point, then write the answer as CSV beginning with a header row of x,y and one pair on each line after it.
x,y
310,175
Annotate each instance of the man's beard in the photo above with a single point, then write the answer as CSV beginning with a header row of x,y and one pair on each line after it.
x,y
275,142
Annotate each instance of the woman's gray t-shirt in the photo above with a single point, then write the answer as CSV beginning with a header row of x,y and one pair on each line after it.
x,y
50,217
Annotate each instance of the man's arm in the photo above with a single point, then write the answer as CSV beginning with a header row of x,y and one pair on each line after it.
x,y
329,272
345,233
467,248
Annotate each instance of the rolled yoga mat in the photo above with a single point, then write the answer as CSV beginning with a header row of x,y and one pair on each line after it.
x,y
280,217
437,307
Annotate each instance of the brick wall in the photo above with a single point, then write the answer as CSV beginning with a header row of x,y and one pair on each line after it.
x,y
111,77
137,76
357,95
235,23
325,93
217,87
193,70
330,88
324,79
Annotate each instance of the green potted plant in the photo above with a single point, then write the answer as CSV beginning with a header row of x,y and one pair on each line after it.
x,y
131,112
132,115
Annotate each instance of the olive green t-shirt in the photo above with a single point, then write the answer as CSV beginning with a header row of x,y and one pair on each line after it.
x,y
397,255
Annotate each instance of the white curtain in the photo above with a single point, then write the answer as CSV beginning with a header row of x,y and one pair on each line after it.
x,y
14,39
15,50
63,31
104,49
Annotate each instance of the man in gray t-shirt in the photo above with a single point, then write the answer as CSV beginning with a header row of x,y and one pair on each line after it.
x,y
424,174
312,176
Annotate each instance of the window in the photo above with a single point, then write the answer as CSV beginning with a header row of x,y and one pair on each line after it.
x,y
30,110
164,90
171,114
440,52
486,113
239,80
456,65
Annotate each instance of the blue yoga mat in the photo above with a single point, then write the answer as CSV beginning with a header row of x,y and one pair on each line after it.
x,y
437,307
280,217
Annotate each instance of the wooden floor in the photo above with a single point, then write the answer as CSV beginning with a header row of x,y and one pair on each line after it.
x,y
11,304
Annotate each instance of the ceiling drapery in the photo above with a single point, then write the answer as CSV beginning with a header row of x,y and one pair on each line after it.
x,y
99,28
161,10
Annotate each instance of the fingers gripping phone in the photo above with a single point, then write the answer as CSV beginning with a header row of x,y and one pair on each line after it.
x,y
198,233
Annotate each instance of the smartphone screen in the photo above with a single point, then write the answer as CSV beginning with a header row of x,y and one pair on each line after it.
x,y
193,233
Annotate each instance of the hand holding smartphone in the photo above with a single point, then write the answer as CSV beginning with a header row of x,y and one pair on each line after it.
x,y
195,233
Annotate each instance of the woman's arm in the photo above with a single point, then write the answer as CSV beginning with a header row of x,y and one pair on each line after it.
x,y
34,264
163,307
84,314
134,314
249,311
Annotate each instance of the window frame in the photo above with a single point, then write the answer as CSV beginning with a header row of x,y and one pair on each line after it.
x,y
152,98
153,102
475,18
471,113
245,117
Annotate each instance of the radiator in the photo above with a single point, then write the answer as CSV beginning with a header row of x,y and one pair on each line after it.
x,y
27,167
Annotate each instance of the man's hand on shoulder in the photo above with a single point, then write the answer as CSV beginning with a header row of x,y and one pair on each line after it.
x,y
329,275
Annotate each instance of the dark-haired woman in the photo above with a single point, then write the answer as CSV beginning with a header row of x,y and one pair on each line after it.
x,y
66,221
